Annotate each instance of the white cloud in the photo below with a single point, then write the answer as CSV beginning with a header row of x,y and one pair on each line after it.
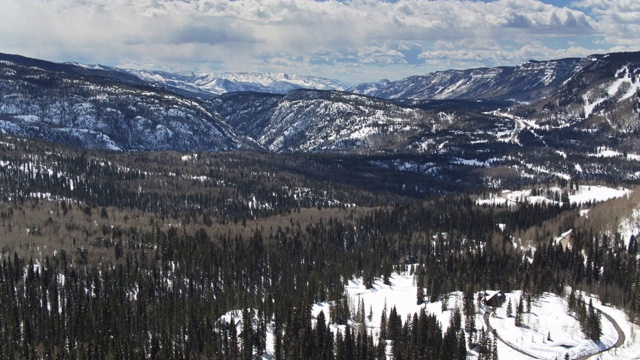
x,y
470,57
325,37
617,20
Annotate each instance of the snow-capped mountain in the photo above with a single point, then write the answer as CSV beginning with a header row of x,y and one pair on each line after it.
x,y
104,109
587,104
527,82
208,84
602,96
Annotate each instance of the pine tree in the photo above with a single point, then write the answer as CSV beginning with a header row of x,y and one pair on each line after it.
x,y
445,302
594,324
419,287
509,309
494,348
470,315
383,322
381,349
519,310
572,300
360,314
419,295
462,346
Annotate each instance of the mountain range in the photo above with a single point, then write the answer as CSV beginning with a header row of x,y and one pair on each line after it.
x,y
211,84
509,118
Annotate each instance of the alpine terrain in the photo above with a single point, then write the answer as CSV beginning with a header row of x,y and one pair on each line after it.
x,y
463,214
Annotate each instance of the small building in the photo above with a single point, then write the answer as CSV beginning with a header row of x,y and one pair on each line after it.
x,y
495,299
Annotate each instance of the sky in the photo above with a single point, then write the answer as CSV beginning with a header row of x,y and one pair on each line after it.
x,y
349,40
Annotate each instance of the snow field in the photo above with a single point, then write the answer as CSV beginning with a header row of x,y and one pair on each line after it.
x,y
401,294
584,194
549,331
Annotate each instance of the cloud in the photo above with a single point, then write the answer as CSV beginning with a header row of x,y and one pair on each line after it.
x,y
495,56
322,36
617,21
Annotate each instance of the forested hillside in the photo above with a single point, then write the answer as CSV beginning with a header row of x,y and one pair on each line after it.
x,y
144,255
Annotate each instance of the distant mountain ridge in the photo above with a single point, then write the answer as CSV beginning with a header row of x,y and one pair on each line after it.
x,y
567,116
103,107
526,82
211,84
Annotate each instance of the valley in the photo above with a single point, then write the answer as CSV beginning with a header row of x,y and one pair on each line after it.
x,y
150,215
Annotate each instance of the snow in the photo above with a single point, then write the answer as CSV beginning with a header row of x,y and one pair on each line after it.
x,y
401,294
630,226
589,106
469,162
548,318
27,118
628,78
562,236
622,88
630,349
597,193
189,157
605,153
223,82
584,194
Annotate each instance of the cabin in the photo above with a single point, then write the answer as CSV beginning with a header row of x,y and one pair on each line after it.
x,y
495,300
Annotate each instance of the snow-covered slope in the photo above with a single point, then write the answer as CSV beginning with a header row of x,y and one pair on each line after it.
x,y
605,93
96,108
527,82
550,330
102,107
308,120
207,84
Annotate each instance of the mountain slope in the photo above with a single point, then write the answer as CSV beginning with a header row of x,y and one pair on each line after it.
x,y
319,121
602,98
526,82
96,108
309,120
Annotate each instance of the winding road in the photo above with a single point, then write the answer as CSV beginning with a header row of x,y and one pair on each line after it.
x,y
490,328
621,337
619,342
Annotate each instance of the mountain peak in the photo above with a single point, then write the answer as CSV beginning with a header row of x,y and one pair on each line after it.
x,y
216,83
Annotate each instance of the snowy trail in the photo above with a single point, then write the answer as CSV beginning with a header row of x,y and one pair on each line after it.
x,y
619,342
490,329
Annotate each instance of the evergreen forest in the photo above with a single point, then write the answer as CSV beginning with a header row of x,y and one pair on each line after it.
x,y
141,255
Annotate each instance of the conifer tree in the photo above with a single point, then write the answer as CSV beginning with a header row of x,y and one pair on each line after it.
x,y
594,324
470,315
383,322
519,311
445,302
494,348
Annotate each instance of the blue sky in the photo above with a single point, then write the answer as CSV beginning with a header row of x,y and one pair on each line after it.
x,y
349,40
